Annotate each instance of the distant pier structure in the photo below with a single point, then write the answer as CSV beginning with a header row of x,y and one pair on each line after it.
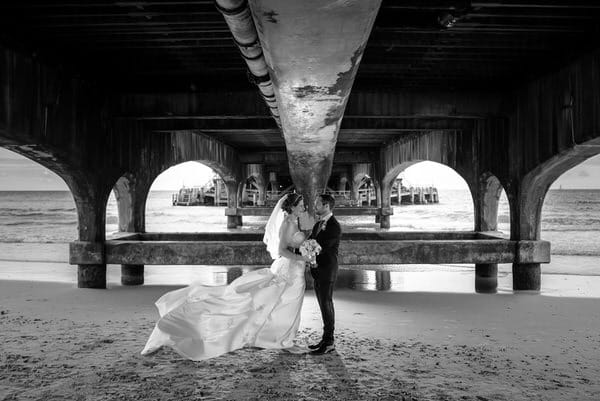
x,y
253,194
213,194
109,95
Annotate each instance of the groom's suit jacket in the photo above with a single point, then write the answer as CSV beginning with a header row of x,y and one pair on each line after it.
x,y
327,260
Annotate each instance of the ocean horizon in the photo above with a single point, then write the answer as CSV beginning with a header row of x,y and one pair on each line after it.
x,y
36,227
570,218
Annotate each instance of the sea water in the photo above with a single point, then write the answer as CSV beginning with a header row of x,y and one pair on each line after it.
x,y
38,225
570,218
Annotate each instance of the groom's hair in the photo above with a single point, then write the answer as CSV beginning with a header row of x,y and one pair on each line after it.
x,y
292,200
330,200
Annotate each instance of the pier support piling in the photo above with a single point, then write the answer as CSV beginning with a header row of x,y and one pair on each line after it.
x,y
233,221
132,274
90,201
131,193
486,278
487,196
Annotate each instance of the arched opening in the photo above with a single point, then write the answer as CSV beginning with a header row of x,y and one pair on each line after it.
x,y
365,192
495,209
38,217
430,197
188,197
571,216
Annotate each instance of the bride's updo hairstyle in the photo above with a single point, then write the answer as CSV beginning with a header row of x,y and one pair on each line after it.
x,y
291,201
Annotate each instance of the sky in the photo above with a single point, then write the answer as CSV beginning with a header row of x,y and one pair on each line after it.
x,y
18,173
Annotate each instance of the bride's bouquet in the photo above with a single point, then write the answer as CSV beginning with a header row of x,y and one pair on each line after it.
x,y
310,248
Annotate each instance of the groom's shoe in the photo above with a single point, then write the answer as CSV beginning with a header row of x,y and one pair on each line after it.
x,y
323,349
315,346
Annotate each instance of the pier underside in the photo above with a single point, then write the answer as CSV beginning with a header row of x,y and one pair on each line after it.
x,y
318,96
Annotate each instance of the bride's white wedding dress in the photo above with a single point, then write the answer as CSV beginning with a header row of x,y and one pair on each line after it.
x,y
260,308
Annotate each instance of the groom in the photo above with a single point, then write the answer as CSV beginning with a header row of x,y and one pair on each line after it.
x,y
327,233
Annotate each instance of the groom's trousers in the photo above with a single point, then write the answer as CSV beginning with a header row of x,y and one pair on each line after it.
x,y
324,292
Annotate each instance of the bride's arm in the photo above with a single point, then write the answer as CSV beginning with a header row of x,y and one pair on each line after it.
x,y
287,230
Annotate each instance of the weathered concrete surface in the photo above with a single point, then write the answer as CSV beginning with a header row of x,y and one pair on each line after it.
x,y
86,252
313,49
361,252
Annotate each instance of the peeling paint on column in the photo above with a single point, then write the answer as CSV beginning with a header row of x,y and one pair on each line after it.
x,y
313,49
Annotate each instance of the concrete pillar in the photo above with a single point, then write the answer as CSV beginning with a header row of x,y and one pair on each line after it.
x,y
90,201
386,188
131,194
354,195
526,200
486,197
359,172
232,203
262,193
233,273
486,278
217,191
257,171
342,182
240,188
383,281
273,181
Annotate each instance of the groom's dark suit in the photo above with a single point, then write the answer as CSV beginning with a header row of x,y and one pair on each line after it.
x,y
325,273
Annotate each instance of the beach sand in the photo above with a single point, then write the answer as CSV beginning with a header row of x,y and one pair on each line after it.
x,y
63,343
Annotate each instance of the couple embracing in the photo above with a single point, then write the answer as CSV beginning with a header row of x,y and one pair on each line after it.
x,y
261,308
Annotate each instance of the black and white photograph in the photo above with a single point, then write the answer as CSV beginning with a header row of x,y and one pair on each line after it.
x,y
281,200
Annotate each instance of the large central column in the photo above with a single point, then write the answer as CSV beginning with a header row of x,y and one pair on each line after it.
x,y
313,49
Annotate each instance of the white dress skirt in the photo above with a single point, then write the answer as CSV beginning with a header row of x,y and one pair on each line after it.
x,y
259,309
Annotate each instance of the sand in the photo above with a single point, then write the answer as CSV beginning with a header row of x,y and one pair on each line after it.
x,y
63,343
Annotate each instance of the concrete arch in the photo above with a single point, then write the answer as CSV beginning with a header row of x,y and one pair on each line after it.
x,y
193,146
222,171
435,146
486,202
527,201
391,175
131,194
89,191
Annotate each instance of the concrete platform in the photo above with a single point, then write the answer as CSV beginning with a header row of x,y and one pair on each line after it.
x,y
357,248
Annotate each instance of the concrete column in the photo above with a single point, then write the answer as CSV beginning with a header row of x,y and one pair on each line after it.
x,y
257,171
131,195
359,172
262,193
217,191
232,203
343,181
486,278
273,181
90,201
354,196
240,188
384,219
526,201
383,281
233,273
486,197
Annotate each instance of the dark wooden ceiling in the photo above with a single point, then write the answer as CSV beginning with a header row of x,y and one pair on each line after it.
x,y
415,44
152,44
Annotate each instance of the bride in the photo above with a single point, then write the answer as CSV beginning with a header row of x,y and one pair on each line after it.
x,y
260,309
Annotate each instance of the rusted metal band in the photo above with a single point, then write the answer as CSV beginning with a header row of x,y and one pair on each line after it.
x,y
233,11
257,57
254,79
